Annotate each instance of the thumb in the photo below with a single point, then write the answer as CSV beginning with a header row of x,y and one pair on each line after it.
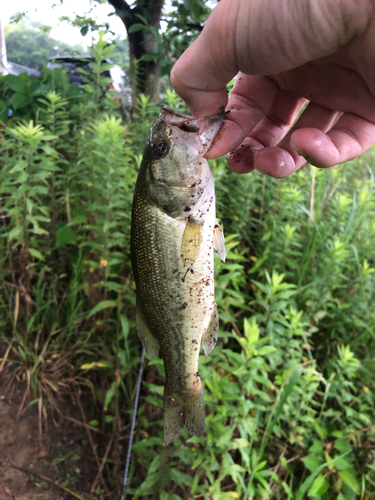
x,y
261,37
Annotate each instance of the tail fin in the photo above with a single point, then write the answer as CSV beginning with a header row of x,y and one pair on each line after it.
x,y
182,409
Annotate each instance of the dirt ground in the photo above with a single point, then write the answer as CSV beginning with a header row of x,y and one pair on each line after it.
x,y
57,467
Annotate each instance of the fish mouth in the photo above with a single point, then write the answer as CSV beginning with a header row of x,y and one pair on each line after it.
x,y
205,129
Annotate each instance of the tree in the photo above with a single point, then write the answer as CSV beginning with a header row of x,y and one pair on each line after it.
x,y
142,23
31,45
152,50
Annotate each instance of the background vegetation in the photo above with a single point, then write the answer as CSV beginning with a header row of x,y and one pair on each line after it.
x,y
30,44
290,387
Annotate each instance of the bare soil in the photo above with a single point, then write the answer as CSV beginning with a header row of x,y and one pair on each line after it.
x,y
55,466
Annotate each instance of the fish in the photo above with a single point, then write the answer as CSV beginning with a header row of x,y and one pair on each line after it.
x,y
174,234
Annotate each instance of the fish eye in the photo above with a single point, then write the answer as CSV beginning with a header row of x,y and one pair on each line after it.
x,y
160,148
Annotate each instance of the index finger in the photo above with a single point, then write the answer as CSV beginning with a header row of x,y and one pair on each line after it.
x,y
200,75
205,93
248,103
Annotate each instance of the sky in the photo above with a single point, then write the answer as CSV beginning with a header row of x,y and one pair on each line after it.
x,y
44,12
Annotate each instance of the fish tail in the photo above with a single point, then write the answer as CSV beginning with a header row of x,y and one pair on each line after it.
x,y
183,409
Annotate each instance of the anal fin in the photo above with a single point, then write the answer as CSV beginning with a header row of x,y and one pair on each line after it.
x,y
219,244
149,342
209,338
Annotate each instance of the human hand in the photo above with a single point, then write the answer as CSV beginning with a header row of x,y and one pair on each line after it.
x,y
284,54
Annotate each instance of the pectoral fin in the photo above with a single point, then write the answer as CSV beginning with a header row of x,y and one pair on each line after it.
x,y
209,338
149,342
219,244
191,241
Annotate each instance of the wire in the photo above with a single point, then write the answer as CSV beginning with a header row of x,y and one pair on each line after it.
x,y
128,455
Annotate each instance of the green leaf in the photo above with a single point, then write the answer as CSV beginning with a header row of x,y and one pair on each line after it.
x,y
19,166
342,464
84,30
124,325
309,480
20,100
312,462
109,395
155,464
136,27
149,57
16,233
35,253
321,431
180,478
317,447
102,305
349,480
319,486
65,236
96,364
154,401
17,83
267,349
342,445
79,219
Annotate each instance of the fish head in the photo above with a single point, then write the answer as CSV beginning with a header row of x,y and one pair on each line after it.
x,y
176,147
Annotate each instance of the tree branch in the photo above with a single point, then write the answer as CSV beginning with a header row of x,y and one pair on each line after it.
x,y
121,7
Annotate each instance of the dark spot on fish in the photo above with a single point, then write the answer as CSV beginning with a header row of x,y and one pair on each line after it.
x,y
187,209
183,279
187,128
193,341
175,271
193,185
197,374
228,109
216,226
184,305
196,349
192,271
190,241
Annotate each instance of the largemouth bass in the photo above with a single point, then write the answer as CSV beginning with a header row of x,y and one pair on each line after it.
x,y
174,235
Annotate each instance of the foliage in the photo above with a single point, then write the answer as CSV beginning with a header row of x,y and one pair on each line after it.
x,y
290,387
184,21
157,34
31,45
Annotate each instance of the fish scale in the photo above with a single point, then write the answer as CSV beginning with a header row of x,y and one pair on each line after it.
x,y
174,231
